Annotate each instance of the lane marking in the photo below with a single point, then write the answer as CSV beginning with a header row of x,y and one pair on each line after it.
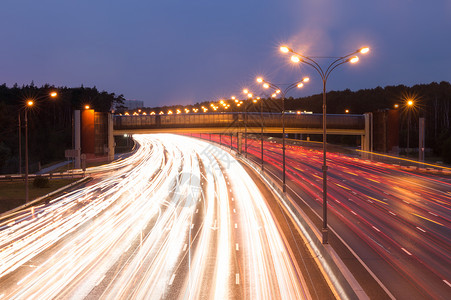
x,y
421,229
446,281
101,279
237,247
392,213
433,214
343,187
237,278
373,180
172,279
427,219
377,200
405,201
406,251
184,247
236,225
353,212
375,228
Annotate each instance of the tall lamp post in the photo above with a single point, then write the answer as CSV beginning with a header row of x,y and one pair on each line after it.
x,y
268,85
245,106
29,104
299,58
409,106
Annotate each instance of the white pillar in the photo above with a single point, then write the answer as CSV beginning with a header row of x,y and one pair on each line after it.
x,y
421,140
110,137
367,144
77,139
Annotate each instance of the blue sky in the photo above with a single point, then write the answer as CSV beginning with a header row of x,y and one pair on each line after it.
x,y
181,52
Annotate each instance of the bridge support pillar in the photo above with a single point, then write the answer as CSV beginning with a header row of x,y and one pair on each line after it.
x,y
77,139
367,138
240,142
110,138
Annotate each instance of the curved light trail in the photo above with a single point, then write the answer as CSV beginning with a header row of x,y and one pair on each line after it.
x,y
179,219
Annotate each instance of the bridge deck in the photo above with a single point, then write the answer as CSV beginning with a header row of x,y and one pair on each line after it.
x,y
233,122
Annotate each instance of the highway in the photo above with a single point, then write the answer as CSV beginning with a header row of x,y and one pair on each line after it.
x,y
180,218
397,222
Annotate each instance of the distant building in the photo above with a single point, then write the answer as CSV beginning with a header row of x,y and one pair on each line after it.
x,y
133,104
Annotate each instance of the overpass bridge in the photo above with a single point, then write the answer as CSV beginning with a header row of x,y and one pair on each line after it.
x,y
238,123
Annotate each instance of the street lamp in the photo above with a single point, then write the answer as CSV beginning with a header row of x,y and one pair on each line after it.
x,y
299,58
278,90
29,104
245,106
409,106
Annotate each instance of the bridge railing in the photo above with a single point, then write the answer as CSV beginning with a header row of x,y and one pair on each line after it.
x,y
237,120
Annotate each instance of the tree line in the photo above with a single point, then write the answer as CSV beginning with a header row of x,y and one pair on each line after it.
x,y
49,121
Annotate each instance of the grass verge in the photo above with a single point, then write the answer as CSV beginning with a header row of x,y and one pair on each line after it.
x,y
12,193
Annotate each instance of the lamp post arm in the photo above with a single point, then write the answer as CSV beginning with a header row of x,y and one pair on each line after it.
x,y
311,62
332,67
338,61
315,66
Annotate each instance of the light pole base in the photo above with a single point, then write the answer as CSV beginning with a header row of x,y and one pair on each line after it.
x,y
325,232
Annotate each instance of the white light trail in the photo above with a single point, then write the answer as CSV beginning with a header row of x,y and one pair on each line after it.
x,y
132,230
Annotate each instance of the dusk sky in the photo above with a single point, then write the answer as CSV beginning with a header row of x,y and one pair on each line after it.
x,y
185,51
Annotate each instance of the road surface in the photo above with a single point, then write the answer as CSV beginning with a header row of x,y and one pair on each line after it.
x,y
179,219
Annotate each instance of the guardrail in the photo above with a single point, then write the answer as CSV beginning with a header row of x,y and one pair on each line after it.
x,y
253,119
13,177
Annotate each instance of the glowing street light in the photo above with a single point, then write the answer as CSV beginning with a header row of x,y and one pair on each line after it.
x,y
299,58
409,105
29,103
277,90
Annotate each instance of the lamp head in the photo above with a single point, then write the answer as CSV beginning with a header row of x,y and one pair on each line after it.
x,y
285,49
295,59
354,59
364,50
